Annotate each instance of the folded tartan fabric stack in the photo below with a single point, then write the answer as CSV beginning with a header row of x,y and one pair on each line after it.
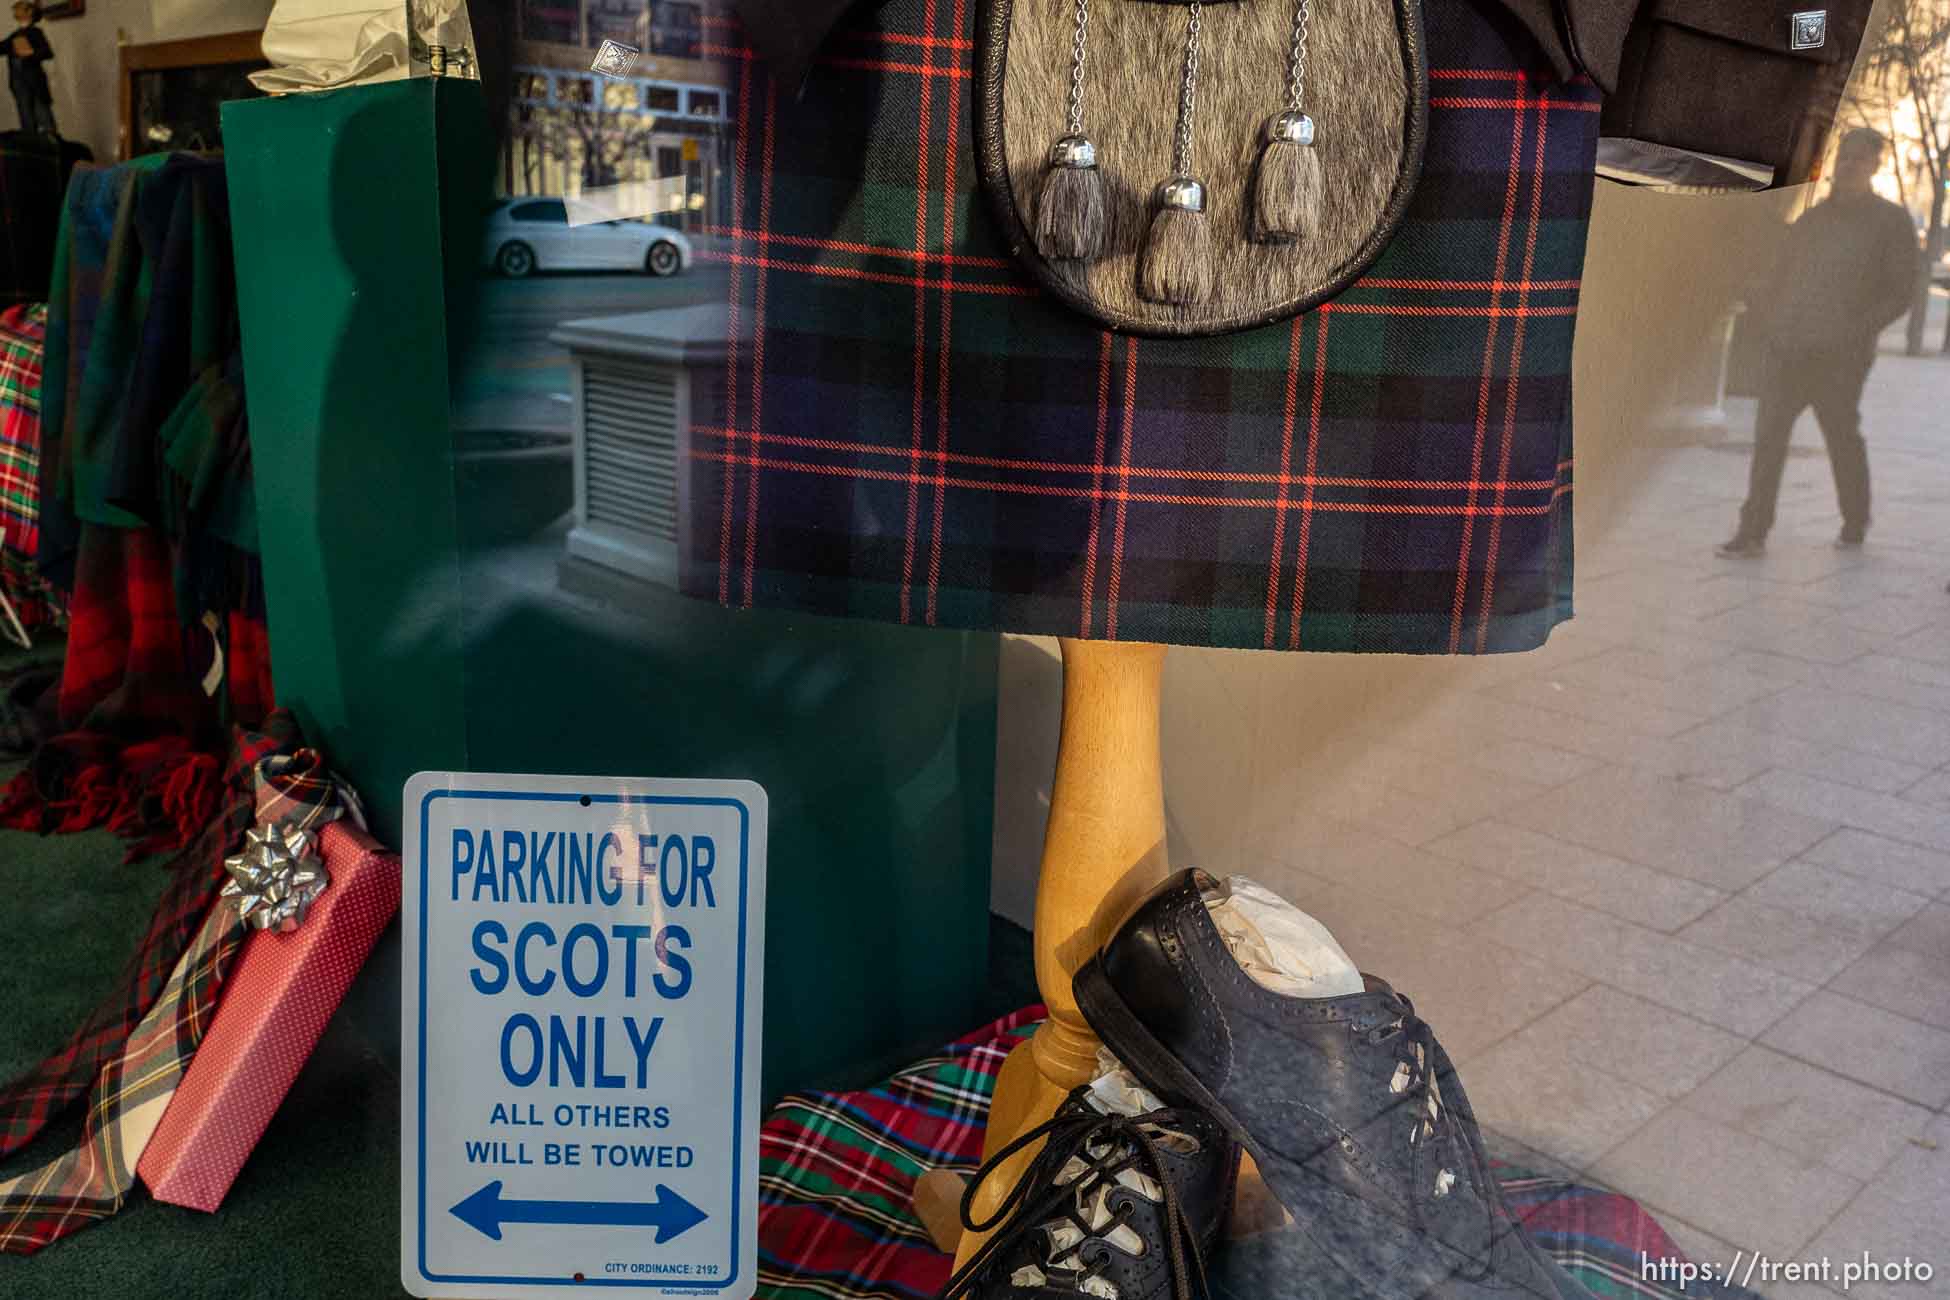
x,y
269,916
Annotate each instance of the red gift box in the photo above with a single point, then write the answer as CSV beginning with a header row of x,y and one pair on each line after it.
x,y
283,991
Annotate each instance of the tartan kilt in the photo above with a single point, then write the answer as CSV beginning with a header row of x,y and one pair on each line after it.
x,y
912,432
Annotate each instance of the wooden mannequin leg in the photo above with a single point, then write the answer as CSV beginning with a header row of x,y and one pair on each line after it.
x,y
1103,849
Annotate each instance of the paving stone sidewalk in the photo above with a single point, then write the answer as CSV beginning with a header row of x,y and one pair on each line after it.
x,y
1683,914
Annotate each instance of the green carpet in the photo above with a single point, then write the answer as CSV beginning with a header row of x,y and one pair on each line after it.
x,y
315,1212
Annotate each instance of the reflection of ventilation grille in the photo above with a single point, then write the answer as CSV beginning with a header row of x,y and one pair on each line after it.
x,y
644,383
630,417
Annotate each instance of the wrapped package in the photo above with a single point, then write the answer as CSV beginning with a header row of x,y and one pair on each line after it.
x,y
284,990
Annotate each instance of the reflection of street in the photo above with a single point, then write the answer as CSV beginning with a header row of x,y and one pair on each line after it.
x,y
513,378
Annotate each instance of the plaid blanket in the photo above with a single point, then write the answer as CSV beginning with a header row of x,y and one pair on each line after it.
x,y
912,432
837,1172
22,331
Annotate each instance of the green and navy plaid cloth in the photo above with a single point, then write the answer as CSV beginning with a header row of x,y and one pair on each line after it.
x,y
912,432
837,1172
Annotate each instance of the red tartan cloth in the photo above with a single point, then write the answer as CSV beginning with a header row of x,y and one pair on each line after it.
x,y
139,755
837,1173
22,333
126,667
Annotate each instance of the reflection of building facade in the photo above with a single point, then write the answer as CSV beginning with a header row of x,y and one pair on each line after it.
x,y
670,27
665,126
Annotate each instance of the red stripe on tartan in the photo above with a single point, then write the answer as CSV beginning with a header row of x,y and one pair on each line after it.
x,y
758,339
1468,286
1307,501
806,1151
1028,291
1545,102
930,42
1099,467
855,273
1120,495
920,323
1123,493
949,236
1489,366
930,256
1476,74
1510,388
732,333
1492,312
1096,480
887,65
1286,468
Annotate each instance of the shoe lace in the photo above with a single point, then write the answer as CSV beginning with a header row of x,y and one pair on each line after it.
x,y
1415,1079
1106,1146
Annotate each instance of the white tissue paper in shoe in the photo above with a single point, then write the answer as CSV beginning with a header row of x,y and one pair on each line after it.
x,y
1280,947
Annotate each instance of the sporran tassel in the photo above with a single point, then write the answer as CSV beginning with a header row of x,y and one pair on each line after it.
x,y
1072,211
1287,184
1175,266
1072,219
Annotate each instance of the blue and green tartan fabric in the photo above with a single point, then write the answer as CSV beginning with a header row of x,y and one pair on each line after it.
x,y
837,1172
912,432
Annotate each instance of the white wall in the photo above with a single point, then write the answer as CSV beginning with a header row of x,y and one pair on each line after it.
x,y
86,58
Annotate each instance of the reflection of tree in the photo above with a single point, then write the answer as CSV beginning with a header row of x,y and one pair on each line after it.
x,y
609,136
1906,95
598,139
524,142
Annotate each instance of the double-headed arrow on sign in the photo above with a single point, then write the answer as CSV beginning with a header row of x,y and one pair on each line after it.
x,y
670,1214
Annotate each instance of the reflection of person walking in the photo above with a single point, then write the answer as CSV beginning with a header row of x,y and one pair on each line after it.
x,y
27,51
1846,271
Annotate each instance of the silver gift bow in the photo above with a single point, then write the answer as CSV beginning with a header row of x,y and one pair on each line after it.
x,y
277,877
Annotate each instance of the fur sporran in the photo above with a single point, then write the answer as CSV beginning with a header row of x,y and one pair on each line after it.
x,y
1287,216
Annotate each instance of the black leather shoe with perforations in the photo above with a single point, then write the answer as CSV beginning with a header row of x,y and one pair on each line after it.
x,y
1349,1106
1114,1207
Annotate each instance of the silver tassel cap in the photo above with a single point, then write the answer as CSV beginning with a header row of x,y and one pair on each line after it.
x,y
1287,186
1175,266
1072,210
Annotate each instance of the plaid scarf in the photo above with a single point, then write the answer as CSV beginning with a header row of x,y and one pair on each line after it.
x,y
29,1102
89,1183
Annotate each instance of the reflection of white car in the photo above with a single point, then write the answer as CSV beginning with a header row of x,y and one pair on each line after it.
x,y
525,235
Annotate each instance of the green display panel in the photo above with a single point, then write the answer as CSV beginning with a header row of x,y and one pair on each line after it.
x,y
424,614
